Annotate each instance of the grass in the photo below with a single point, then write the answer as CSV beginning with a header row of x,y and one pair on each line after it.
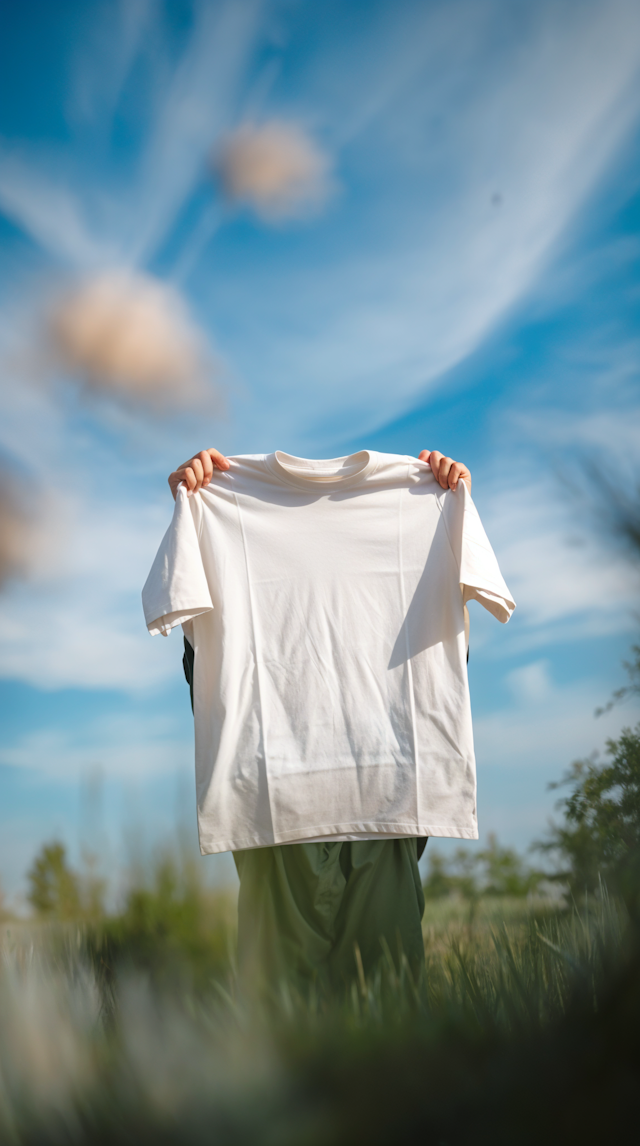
x,y
523,1028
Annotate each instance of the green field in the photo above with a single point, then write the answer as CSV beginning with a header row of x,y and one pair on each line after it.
x,y
131,1024
135,1029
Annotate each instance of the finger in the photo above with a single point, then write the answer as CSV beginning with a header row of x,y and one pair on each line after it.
x,y
462,475
178,476
207,466
443,472
423,456
434,461
218,459
455,473
197,467
189,479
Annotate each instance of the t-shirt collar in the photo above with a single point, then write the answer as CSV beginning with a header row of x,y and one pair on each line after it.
x,y
324,474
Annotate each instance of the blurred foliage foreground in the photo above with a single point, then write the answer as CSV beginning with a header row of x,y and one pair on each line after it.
x,y
523,1028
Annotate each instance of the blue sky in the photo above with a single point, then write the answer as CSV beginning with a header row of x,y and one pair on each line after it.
x,y
470,284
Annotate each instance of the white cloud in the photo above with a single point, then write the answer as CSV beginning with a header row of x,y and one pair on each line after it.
x,y
115,34
565,580
77,622
76,638
438,262
191,112
90,215
94,483
531,682
441,108
478,140
548,731
555,456
276,167
432,264
118,746
51,211
131,335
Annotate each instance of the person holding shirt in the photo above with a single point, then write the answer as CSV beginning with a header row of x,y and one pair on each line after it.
x,y
326,910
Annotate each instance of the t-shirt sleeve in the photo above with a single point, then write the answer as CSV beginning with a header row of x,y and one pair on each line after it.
x,y
480,576
176,589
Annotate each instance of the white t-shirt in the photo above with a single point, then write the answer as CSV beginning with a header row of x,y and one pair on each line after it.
x,y
325,603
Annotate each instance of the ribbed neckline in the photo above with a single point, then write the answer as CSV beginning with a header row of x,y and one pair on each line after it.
x,y
322,474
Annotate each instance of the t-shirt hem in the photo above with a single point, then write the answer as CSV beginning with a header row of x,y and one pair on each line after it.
x,y
341,832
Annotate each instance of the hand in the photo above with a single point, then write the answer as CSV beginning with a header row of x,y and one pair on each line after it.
x,y
197,472
446,472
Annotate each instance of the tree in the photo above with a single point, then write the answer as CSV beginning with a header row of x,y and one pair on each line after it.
x,y
494,871
600,836
507,873
53,887
631,689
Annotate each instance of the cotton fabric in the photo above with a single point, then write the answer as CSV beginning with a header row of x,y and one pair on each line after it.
x,y
325,602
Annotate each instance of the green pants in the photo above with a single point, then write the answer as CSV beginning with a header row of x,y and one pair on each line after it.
x,y
303,908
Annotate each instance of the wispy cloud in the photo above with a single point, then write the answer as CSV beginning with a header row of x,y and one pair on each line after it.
x,y
38,198
566,581
531,682
473,153
479,138
88,211
83,626
468,138
124,747
195,108
521,748
547,730
476,182
114,36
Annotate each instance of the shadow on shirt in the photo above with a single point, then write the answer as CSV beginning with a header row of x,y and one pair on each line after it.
x,y
424,626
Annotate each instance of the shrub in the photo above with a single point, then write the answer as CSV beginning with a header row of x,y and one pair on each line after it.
x,y
600,836
471,873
